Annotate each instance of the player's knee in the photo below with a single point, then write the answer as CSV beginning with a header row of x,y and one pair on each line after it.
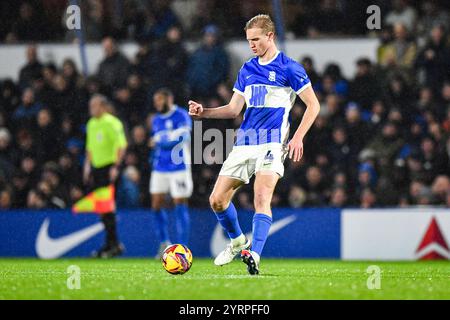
x,y
217,203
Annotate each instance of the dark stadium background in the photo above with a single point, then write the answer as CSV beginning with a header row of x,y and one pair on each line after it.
x,y
382,138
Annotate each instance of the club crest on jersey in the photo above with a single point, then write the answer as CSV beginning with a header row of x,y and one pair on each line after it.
x,y
272,76
169,124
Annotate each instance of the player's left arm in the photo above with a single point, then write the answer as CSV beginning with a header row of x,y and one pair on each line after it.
x,y
295,146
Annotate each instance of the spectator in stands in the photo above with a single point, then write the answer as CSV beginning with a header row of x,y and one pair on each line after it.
x,y
339,149
70,73
131,100
9,99
331,109
358,131
296,197
159,19
132,20
47,142
399,54
386,146
7,152
6,199
327,19
36,200
139,145
399,95
434,161
315,187
8,156
428,103
333,82
25,114
67,101
365,87
339,198
114,68
308,64
433,15
208,66
402,13
175,59
31,70
368,199
204,15
57,194
433,60
440,188
29,26
367,177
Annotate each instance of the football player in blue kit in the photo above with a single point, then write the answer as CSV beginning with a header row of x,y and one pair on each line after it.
x,y
268,84
171,170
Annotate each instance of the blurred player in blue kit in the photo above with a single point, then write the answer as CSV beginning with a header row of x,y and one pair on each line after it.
x,y
171,172
268,84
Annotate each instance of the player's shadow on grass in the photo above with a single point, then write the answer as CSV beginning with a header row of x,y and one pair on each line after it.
x,y
268,275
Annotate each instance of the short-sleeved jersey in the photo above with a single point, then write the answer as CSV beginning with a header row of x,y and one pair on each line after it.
x,y
269,90
104,137
171,131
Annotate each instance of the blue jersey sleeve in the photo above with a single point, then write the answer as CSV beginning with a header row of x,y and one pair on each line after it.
x,y
297,77
180,132
239,85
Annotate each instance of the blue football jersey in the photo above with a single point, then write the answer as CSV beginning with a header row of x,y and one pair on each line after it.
x,y
269,90
171,132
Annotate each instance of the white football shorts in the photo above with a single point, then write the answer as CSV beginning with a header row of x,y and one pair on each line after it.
x,y
178,183
244,161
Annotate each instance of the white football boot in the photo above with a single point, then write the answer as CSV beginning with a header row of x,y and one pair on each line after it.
x,y
230,252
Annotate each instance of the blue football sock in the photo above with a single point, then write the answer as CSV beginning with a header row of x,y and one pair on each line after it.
x,y
261,226
162,224
229,221
182,223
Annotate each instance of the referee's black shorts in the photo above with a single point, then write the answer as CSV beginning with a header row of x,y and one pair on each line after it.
x,y
100,177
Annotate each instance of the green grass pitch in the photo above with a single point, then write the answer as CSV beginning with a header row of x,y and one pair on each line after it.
x,y
279,279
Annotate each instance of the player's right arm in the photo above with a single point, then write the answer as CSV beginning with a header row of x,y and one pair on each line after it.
x,y
228,111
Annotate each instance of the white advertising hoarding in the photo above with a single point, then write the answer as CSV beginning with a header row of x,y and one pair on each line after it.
x,y
395,234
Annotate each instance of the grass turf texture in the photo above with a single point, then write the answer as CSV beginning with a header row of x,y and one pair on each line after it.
x,y
279,279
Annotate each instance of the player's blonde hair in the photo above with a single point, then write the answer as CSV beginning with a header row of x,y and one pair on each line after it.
x,y
262,21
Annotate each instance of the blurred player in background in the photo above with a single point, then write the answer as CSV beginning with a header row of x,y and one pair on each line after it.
x,y
105,148
171,173
268,84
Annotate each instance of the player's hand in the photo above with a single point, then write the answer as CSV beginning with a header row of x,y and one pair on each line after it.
x,y
195,109
113,173
295,149
86,174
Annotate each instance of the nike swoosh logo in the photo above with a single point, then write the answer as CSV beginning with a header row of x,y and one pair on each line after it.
x,y
247,77
219,241
48,248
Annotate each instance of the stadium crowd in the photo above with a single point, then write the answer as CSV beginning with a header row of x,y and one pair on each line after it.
x,y
382,138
